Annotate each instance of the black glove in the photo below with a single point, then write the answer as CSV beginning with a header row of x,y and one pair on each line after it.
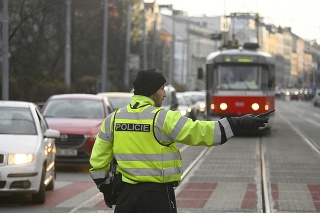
x,y
109,197
247,122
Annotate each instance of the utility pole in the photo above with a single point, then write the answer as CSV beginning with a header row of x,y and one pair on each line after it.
x,y
224,33
172,61
5,51
257,21
104,49
154,41
67,72
164,57
126,66
144,39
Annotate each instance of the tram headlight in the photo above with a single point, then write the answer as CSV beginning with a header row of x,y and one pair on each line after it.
x,y
212,106
255,106
223,106
266,107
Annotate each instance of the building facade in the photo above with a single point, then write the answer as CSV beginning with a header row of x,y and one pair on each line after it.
x,y
296,60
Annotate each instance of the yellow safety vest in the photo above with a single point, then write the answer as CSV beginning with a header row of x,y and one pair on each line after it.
x,y
143,142
140,155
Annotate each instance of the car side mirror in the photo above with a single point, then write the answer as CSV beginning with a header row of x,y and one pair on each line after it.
x,y
51,133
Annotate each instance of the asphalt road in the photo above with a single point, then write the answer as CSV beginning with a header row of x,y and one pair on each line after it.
x,y
276,172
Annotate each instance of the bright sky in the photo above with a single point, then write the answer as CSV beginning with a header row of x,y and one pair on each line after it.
x,y
303,16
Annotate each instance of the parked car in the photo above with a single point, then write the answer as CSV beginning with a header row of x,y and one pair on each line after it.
x,y
118,99
199,100
27,151
78,117
295,94
316,98
171,100
186,106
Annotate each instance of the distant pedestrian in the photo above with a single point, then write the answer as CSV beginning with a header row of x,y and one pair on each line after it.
x,y
142,138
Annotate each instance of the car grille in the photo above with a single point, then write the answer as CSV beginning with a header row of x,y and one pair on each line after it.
x,y
70,141
1,158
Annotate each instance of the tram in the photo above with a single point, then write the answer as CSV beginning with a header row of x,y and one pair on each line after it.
x,y
240,81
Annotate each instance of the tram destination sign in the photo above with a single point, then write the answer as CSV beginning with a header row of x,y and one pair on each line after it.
x,y
241,59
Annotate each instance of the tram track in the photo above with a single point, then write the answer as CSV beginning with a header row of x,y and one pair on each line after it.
x,y
270,199
265,198
262,181
265,202
266,193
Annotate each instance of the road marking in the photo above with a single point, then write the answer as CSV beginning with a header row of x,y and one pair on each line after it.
x,y
86,203
301,135
65,193
79,198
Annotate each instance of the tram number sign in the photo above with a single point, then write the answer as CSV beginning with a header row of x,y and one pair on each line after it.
x,y
239,104
240,59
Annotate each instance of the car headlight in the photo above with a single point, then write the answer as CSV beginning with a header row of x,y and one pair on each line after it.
x,y
202,107
183,112
14,159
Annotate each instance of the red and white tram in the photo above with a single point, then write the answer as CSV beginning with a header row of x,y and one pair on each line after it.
x,y
240,81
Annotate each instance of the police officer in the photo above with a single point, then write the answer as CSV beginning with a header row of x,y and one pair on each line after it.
x,y
142,138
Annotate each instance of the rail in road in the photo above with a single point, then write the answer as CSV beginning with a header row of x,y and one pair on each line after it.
x,y
276,172
287,177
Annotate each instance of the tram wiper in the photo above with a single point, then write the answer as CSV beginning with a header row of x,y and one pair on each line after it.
x,y
226,82
245,83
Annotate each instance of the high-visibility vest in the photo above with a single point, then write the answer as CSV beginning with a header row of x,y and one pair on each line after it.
x,y
140,155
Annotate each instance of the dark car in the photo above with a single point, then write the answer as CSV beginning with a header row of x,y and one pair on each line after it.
x,y
78,117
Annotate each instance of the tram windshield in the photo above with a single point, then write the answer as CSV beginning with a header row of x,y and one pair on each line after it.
x,y
244,77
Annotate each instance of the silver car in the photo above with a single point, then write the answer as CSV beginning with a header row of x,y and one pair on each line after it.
x,y
118,99
27,151
316,98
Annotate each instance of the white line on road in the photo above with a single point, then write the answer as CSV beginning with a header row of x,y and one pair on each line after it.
x,y
301,134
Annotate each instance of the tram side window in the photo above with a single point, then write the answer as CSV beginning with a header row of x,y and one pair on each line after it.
x,y
213,81
215,78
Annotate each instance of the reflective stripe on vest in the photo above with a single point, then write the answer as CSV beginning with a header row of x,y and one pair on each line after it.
x,y
107,134
140,157
175,131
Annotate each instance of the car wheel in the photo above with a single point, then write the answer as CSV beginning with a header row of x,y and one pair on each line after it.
x,y
50,186
40,196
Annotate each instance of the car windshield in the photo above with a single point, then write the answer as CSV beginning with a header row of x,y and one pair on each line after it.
x,y
16,121
75,108
188,100
181,101
119,102
196,97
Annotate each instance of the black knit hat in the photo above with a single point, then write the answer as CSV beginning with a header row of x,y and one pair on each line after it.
x,y
148,82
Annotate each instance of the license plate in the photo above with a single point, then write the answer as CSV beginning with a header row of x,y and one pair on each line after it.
x,y
67,152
